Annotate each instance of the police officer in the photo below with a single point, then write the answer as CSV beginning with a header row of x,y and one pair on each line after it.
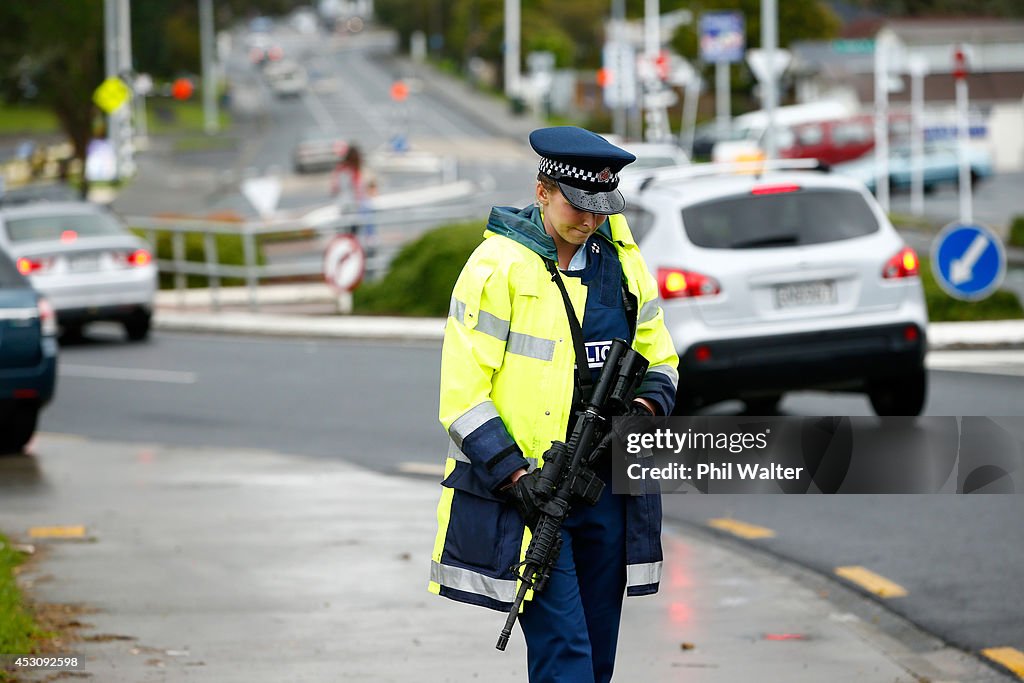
x,y
509,384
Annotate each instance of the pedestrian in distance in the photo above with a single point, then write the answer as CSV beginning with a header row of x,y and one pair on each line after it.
x,y
510,386
354,185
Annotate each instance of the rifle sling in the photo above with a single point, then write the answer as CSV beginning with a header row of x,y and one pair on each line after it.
x,y
584,379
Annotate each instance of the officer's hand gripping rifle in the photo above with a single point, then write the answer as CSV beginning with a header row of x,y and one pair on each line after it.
x,y
567,475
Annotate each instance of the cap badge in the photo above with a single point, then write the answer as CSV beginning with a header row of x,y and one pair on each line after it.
x,y
605,175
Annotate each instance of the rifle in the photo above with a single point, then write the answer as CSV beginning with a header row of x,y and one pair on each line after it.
x,y
567,475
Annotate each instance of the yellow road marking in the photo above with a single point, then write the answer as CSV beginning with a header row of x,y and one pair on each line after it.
x,y
872,582
1009,657
741,529
57,532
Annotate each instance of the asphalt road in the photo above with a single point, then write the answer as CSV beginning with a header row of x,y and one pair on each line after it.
x,y
959,557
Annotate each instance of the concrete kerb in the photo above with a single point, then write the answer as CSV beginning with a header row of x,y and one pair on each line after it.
x,y
190,311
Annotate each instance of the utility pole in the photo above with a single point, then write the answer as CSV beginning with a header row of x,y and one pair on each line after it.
x,y
112,45
126,141
882,48
770,44
211,123
618,29
918,67
512,39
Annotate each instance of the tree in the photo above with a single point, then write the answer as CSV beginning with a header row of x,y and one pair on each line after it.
x,y
58,47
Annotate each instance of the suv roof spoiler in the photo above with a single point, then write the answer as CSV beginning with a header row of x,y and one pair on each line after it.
x,y
730,168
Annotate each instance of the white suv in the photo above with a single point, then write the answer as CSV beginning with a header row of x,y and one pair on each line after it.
x,y
781,280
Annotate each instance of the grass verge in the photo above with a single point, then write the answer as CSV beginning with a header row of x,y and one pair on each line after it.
x,y
25,119
18,629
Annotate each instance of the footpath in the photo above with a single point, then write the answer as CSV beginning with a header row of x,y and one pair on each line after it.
x,y
312,310
248,566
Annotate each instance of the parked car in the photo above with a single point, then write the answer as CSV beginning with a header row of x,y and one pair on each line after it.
x,y
940,164
318,151
746,137
28,356
85,261
782,281
832,142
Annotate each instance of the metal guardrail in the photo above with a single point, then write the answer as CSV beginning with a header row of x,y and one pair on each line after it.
x,y
392,228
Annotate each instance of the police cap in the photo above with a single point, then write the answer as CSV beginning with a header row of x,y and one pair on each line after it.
x,y
584,165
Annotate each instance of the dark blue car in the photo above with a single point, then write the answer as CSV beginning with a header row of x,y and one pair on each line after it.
x,y
28,356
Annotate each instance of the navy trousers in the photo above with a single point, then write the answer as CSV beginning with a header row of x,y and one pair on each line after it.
x,y
572,628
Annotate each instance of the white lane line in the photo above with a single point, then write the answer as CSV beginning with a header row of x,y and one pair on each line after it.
x,y
424,468
129,374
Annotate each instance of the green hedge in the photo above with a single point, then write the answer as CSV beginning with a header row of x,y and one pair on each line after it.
x,y
942,307
230,251
1016,232
422,275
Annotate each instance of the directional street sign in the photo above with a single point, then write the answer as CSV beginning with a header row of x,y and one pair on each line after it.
x,y
263,193
722,37
619,61
968,261
765,65
111,94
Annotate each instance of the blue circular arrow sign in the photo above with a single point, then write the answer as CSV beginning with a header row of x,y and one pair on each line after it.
x,y
968,261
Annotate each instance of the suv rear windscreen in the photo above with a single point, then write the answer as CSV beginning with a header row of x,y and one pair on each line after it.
x,y
795,218
46,228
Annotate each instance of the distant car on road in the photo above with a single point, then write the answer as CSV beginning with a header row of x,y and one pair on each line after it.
x,y
940,164
28,356
318,151
779,281
286,78
85,261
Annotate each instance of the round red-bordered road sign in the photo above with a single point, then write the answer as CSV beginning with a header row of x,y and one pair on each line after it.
x,y
344,263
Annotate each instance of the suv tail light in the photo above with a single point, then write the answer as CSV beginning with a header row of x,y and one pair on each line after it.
x,y
674,283
903,264
47,318
27,266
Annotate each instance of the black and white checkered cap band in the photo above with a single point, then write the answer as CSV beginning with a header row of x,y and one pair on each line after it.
x,y
560,169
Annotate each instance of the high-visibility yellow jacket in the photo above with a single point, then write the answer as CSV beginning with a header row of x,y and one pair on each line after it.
x,y
506,392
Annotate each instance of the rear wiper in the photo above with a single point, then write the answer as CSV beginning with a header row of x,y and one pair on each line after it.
x,y
765,241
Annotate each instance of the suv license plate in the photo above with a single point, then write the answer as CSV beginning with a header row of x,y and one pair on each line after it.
x,y
84,264
805,294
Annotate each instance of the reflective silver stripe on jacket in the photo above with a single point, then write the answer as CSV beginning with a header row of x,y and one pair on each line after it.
x,y
456,453
643,574
668,371
530,346
471,420
648,312
488,323
457,310
470,582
